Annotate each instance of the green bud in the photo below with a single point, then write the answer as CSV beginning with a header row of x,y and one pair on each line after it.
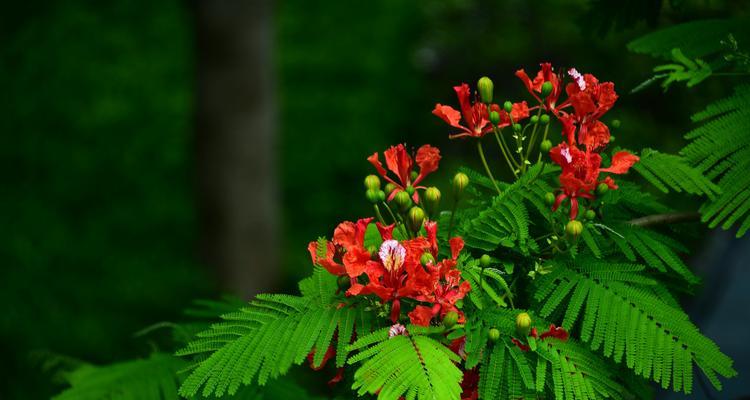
x,y
460,303
549,198
403,200
494,335
372,196
372,182
494,117
484,261
416,218
545,146
450,319
485,87
432,199
427,259
460,181
381,195
410,189
615,123
414,175
546,88
343,282
544,119
517,127
523,324
534,119
590,214
611,138
389,187
602,188
508,106
574,228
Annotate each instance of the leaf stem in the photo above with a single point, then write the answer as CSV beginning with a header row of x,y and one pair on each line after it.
x,y
486,167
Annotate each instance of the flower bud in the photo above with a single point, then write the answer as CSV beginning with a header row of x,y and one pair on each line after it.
x,y
450,319
615,123
546,88
523,324
432,199
611,138
372,196
534,119
460,181
590,214
410,189
545,146
484,261
602,188
508,106
416,218
381,195
403,200
494,118
574,228
414,175
544,119
372,182
494,335
389,187
517,127
485,87
427,259
343,282
549,198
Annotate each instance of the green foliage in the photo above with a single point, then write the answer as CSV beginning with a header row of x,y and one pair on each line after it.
x,y
505,222
153,378
694,39
616,312
286,328
667,171
720,148
414,366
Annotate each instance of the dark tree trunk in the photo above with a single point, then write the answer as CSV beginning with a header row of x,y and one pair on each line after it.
x,y
235,142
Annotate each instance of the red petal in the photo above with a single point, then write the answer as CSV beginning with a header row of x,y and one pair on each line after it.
x,y
457,244
448,114
621,162
421,315
594,135
386,231
399,162
427,158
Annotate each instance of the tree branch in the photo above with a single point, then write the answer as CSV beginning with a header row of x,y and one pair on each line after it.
x,y
666,218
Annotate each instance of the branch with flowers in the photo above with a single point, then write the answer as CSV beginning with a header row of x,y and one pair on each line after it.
x,y
559,284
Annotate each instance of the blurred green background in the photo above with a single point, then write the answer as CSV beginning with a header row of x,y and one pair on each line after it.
x,y
99,222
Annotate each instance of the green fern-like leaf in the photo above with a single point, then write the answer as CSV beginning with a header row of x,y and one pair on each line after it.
x,y
505,222
264,339
666,171
153,378
625,321
413,366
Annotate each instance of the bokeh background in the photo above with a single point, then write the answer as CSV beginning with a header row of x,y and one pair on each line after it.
x,y
155,152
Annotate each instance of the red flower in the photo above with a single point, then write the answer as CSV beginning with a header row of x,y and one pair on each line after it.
x,y
534,87
590,101
580,173
475,116
400,163
345,254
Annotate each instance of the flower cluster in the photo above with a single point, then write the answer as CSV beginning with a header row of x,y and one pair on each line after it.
x,y
398,269
584,135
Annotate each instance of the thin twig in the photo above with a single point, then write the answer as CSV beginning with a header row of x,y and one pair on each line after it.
x,y
666,218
